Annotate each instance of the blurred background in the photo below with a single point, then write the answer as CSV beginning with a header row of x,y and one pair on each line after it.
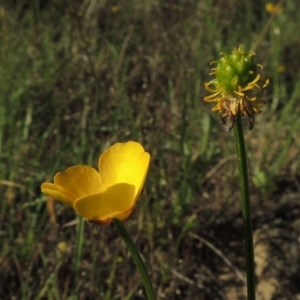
x,y
78,76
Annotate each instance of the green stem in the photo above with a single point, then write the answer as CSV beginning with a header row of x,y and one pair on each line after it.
x,y
136,258
242,162
79,242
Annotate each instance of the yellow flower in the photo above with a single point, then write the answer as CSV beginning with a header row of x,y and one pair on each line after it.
x,y
111,193
62,247
237,79
114,9
273,9
281,68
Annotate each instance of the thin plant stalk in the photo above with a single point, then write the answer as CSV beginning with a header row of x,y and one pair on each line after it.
x,y
136,258
243,175
79,242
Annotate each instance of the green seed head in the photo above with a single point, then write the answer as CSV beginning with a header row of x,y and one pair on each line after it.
x,y
236,87
235,69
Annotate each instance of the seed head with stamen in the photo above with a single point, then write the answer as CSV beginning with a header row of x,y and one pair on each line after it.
x,y
237,86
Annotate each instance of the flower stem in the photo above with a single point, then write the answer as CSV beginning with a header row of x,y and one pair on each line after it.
x,y
79,242
243,174
136,258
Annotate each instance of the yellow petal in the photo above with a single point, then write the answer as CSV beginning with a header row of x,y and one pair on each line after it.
x,y
74,183
80,180
142,169
58,193
124,163
116,202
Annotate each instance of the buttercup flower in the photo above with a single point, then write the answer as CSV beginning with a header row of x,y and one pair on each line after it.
x,y
237,79
110,193
273,9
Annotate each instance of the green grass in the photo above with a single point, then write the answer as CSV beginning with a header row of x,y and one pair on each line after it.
x,y
77,78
